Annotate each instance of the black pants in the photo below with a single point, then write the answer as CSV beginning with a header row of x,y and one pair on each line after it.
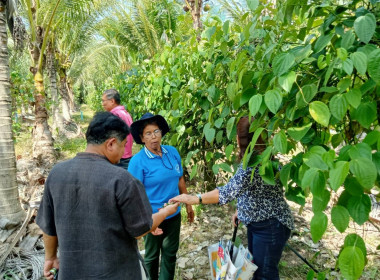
x,y
124,162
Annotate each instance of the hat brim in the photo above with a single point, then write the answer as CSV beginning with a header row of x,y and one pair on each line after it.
x,y
136,126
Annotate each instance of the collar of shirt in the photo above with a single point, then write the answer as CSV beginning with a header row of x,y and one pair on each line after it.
x,y
151,155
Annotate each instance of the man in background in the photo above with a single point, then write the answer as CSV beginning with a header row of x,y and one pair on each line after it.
x,y
94,211
111,103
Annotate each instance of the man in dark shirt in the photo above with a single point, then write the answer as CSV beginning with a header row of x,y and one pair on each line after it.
x,y
95,210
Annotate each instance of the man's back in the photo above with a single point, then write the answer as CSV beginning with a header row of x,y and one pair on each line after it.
x,y
96,209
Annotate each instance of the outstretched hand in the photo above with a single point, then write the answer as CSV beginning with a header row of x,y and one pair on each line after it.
x,y
185,198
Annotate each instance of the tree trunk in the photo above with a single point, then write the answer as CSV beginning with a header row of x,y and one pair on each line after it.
x,y
52,72
43,145
71,96
65,98
10,207
196,8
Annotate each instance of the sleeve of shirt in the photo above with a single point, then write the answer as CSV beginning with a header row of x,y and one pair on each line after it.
x,y
136,169
135,209
178,159
45,216
235,186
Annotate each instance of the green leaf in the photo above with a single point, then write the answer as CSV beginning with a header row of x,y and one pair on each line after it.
x,y
253,4
338,106
282,63
286,81
356,241
225,167
365,172
273,100
359,208
280,143
354,97
360,62
231,91
360,150
285,173
338,174
320,112
215,168
365,114
353,187
373,65
372,138
365,26
297,133
342,53
347,39
209,132
322,42
218,123
226,27
351,262
230,126
314,160
229,150
193,171
376,160
306,95
266,172
320,201
254,104
314,179
318,226
219,136
209,32
310,275
340,218
348,66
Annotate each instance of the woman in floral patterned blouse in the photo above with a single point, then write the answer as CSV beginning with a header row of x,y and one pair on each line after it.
x,y
260,206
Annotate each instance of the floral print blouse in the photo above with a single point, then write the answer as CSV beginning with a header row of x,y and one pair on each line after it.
x,y
256,200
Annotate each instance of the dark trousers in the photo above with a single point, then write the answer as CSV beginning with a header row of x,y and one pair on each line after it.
x,y
124,162
167,244
266,241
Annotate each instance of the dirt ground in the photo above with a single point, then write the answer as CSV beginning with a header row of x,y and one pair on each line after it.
x,y
213,223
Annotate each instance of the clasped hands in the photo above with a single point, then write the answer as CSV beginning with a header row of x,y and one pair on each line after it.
x,y
173,203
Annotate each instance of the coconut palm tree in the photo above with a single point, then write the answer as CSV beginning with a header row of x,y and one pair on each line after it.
x,y
42,16
9,204
131,31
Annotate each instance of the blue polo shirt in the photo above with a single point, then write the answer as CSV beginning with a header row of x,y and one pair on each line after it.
x,y
160,175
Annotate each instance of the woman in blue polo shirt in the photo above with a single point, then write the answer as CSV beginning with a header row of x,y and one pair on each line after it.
x,y
159,168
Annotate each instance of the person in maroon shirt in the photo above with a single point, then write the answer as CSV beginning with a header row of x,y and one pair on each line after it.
x,y
111,103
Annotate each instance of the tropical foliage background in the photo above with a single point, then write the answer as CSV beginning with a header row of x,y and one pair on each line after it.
x,y
308,72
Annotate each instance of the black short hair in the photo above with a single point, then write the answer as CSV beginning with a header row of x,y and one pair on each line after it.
x,y
112,94
104,126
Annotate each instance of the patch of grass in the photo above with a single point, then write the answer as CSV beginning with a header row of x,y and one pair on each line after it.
x,y
70,147
24,144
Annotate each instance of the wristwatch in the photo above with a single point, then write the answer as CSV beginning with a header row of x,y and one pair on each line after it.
x,y
200,197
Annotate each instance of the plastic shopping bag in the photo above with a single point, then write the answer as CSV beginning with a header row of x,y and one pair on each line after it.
x,y
239,266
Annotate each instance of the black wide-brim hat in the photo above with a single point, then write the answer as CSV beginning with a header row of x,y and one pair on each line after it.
x,y
137,126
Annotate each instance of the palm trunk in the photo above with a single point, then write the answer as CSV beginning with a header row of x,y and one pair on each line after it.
x,y
196,8
43,148
71,96
43,145
65,98
52,72
10,207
